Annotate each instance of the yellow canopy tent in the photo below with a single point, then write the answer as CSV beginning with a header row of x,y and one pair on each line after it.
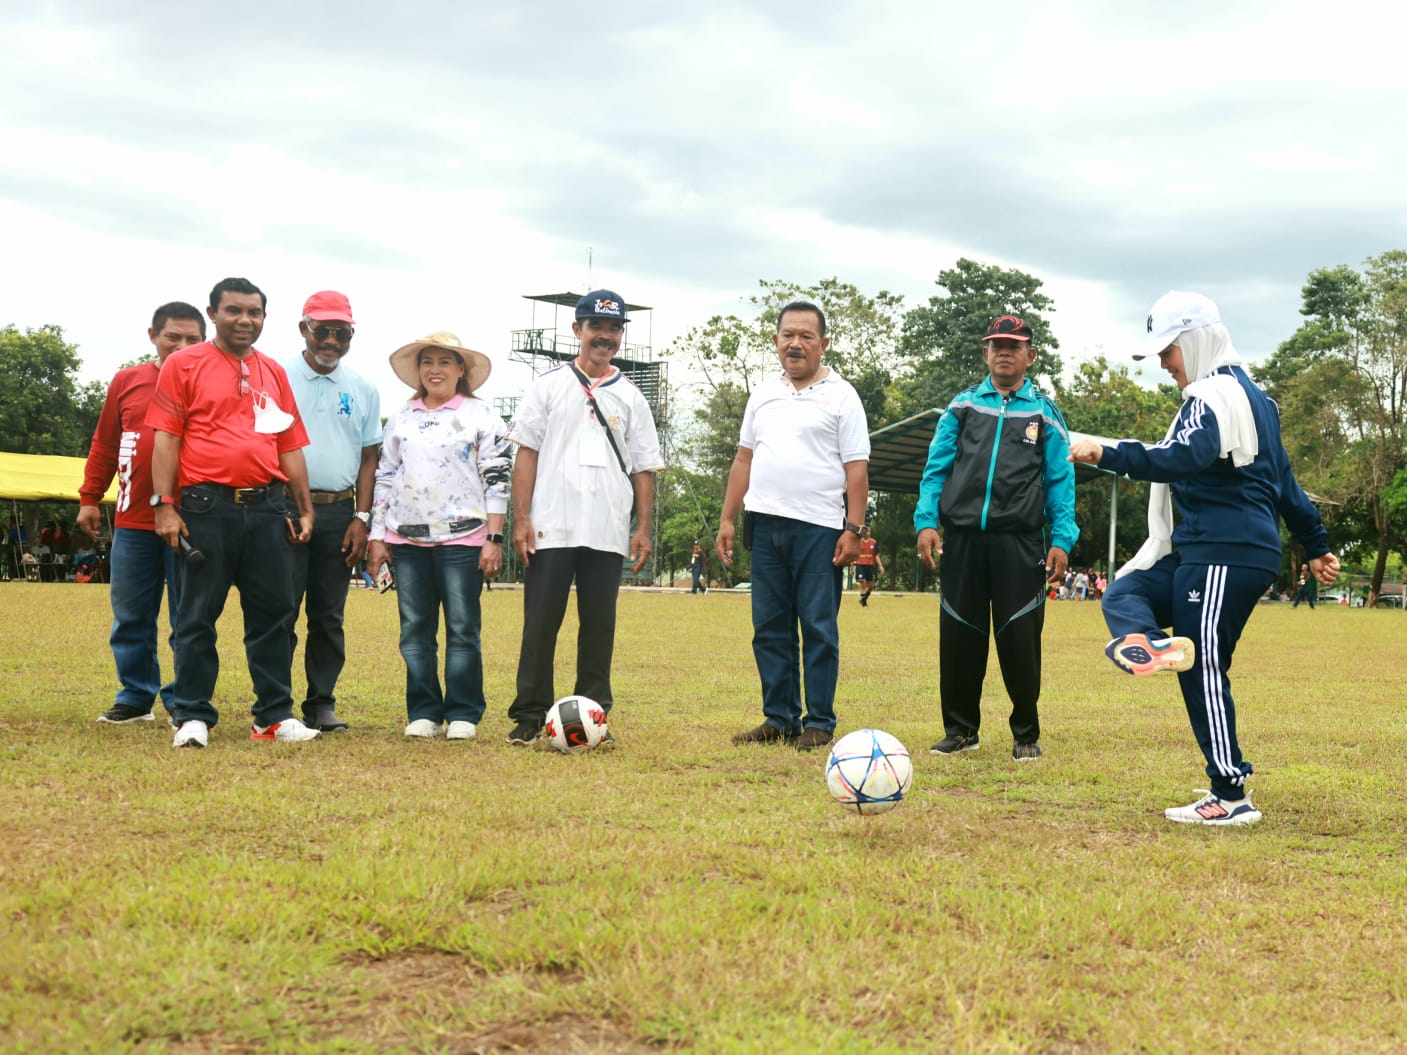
x,y
44,477
41,478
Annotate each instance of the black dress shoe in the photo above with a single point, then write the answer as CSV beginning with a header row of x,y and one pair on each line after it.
x,y
325,720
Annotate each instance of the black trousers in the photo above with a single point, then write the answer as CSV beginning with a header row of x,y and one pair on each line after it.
x,y
546,585
992,583
320,581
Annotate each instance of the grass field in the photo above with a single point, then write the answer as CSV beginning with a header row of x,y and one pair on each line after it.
x,y
367,894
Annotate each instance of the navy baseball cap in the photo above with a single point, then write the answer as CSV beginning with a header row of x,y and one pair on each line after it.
x,y
601,304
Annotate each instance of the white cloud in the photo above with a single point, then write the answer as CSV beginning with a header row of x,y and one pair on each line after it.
x,y
436,161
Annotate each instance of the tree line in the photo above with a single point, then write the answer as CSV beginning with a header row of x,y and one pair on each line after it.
x,y
1340,380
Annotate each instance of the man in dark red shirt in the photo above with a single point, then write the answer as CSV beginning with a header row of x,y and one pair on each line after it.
x,y
141,563
228,430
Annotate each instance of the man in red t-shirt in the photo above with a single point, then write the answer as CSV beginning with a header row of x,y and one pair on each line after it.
x,y
140,562
865,565
228,431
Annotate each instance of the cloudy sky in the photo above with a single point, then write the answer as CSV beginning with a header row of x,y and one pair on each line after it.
x,y
438,160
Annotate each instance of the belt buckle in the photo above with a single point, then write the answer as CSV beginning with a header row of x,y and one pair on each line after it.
x,y
247,495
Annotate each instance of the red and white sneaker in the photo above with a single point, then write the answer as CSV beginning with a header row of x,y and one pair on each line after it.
x,y
1212,810
1138,654
288,731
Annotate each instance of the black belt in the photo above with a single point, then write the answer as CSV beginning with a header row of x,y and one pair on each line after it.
x,y
327,498
245,496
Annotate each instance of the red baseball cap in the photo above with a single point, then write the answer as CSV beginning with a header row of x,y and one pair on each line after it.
x,y
328,305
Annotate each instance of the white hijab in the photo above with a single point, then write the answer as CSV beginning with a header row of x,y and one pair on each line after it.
x,y
1204,351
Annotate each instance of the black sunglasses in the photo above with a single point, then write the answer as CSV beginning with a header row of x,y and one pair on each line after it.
x,y
342,334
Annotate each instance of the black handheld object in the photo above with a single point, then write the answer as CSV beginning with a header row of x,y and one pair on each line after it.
x,y
194,558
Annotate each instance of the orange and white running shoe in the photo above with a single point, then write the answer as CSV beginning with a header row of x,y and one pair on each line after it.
x,y
1215,811
1139,655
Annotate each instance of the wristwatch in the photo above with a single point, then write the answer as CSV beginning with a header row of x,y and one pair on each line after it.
x,y
365,518
162,500
852,527
495,539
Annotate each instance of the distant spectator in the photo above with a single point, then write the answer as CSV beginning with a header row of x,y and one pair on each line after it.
x,y
1306,588
696,567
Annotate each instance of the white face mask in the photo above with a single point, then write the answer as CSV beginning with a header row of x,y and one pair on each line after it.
x,y
268,418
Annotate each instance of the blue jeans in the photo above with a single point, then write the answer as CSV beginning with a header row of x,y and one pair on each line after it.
x,y
245,546
427,579
141,569
795,584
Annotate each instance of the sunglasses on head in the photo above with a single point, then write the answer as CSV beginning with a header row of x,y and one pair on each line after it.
x,y
322,332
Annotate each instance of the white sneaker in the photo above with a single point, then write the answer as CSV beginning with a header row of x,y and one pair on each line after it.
x,y
461,731
424,728
1212,810
288,731
192,734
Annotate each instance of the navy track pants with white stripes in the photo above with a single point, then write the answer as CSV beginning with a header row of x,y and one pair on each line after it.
x,y
1209,603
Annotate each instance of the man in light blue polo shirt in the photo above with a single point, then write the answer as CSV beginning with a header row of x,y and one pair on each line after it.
x,y
342,413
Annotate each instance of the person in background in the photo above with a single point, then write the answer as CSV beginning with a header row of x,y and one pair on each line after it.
x,y
865,565
141,564
441,497
1223,464
1306,588
696,567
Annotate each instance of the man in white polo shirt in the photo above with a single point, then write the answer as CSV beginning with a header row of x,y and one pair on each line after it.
x,y
802,476
342,413
574,483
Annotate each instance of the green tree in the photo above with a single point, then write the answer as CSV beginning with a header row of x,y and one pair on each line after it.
x,y
689,509
43,408
1341,381
941,342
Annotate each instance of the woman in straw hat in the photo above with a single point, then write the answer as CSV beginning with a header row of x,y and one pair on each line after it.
x,y
441,496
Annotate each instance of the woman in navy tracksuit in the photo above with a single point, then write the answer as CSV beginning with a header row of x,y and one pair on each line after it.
x,y
1229,475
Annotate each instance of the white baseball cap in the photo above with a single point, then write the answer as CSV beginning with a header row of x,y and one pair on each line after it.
x,y
1175,312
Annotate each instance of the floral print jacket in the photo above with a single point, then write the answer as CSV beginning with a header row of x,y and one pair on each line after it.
x,y
442,471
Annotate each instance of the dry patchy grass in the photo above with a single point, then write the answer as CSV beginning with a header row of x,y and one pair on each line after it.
x,y
366,894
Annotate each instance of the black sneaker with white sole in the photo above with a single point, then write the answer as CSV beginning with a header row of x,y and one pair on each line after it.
x,y
955,742
121,714
1025,752
525,733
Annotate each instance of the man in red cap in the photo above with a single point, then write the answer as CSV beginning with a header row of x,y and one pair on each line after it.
x,y
342,414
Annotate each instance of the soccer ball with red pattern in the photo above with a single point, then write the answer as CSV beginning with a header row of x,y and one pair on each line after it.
x,y
869,771
575,723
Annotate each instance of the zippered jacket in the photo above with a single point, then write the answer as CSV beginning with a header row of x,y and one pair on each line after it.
x,y
1228,514
1000,463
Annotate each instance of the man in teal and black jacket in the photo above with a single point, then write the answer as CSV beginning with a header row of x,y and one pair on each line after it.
x,y
997,474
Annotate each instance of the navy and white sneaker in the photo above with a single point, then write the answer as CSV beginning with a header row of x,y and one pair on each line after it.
x,y
1210,809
